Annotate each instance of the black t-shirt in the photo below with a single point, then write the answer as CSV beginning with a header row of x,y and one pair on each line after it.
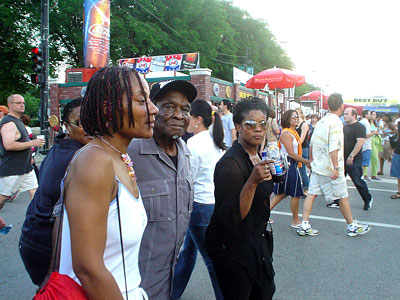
x,y
351,133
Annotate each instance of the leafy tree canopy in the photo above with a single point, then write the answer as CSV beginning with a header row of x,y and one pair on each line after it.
x,y
223,35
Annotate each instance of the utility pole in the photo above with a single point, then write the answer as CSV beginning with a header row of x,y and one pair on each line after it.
x,y
44,86
247,59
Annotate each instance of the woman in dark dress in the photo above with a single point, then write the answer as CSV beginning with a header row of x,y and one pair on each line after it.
x,y
35,241
236,239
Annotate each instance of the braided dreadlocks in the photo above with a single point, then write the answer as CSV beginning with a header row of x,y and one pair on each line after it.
x,y
69,107
103,100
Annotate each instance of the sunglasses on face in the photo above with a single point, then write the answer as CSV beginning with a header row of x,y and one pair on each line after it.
x,y
251,124
294,117
77,123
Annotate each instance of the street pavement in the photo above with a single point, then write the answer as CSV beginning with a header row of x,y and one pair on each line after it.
x,y
330,266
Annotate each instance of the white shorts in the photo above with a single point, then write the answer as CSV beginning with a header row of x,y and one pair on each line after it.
x,y
331,189
18,183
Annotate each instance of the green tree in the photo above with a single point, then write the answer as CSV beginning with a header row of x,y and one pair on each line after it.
x,y
304,89
138,27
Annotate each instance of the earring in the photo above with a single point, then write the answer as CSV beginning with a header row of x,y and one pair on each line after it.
x,y
196,126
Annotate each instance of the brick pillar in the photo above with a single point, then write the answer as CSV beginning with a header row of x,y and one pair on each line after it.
x,y
200,78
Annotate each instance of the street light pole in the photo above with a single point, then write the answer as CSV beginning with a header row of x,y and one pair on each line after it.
x,y
44,87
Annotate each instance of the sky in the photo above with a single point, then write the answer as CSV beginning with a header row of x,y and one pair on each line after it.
x,y
351,47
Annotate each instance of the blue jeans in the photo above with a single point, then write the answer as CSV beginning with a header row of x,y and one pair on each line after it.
x,y
355,173
303,171
195,240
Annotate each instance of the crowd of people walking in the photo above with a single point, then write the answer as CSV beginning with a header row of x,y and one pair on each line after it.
x,y
135,203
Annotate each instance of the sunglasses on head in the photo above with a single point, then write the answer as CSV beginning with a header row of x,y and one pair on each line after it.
x,y
251,124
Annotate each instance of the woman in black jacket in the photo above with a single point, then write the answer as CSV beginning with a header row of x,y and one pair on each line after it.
x,y
236,239
35,241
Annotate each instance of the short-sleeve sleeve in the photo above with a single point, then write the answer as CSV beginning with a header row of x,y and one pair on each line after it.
x,y
230,122
229,182
361,132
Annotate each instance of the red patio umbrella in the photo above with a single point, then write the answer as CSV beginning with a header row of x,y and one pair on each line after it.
x,y
315,95
275,78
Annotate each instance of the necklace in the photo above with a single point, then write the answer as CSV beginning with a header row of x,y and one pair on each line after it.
x,y
125,158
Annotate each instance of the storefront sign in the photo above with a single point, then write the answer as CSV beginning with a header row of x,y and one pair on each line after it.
x,y
216,89
372,100
244,95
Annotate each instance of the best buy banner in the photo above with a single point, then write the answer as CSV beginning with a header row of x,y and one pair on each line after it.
x,y
173,62
377,100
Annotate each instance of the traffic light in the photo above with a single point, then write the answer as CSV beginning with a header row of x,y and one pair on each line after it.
x,y
37,67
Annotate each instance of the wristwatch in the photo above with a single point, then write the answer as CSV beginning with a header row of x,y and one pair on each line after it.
x,y
336,168
351,156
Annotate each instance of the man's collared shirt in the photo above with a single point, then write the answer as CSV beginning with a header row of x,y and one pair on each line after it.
x,y
167,194
327,137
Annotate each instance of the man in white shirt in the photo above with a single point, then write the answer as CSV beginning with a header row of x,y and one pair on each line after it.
x,y
327,166
366,149
227,122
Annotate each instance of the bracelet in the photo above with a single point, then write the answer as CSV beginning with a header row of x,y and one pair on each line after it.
x,y
336,168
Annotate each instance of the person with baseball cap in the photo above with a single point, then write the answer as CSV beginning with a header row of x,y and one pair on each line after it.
x,y
162,168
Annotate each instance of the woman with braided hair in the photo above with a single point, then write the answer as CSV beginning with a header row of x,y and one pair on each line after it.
x,y
104,217
35,240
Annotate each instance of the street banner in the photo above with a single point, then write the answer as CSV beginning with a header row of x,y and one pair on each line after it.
x,y
172,62
128,62
190,61
96,32
157,63
240,76
143,64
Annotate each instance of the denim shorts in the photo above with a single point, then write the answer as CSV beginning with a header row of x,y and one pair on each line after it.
x,y
366,158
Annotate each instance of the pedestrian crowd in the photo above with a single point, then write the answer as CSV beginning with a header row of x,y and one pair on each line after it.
x,y
145,178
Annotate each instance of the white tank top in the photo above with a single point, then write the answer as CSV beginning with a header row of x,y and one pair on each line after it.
x,y
295,145
133,223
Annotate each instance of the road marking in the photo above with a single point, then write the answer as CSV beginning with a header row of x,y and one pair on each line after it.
x,y
371,189
383,180
283,213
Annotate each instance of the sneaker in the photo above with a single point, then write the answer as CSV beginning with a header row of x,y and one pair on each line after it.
x,y
358,229
366,179
308,231
334,204
376,178
368,205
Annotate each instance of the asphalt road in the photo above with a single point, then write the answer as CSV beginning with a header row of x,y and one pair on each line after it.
x,y
330,266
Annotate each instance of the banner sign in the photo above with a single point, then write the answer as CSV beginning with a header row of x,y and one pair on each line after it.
x,y
377,100
174,62
382,109
96,31
240,76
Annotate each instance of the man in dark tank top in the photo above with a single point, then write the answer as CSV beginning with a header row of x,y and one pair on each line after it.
x,y
16,174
